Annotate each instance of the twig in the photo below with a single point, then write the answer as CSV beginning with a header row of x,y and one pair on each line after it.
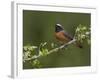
x,y
61,47
51,51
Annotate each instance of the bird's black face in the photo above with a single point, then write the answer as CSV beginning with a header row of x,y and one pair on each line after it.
x,y
58,28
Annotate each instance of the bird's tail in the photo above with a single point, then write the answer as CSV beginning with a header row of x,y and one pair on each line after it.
x,y
79,45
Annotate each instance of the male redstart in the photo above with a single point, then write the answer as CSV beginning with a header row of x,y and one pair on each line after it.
x,y
63,36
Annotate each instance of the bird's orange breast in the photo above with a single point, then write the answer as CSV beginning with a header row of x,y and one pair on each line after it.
x,y
61,37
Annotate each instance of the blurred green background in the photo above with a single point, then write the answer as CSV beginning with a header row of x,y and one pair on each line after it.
x,y
39,26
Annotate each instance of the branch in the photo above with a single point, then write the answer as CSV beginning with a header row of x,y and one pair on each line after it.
x,y
61,47
51,51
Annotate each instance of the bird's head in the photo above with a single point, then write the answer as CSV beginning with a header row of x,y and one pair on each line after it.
x,y
58,28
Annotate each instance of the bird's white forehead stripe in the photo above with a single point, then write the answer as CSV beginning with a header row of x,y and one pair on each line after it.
x,y
58,24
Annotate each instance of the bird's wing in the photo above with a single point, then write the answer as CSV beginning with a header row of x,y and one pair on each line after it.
x,y
67,35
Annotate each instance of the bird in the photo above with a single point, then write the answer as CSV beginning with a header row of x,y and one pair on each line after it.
x,y
62,36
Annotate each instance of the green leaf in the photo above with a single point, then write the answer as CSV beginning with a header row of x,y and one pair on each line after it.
x,y
52,45
43,52
44,44
36,63
31,48
40,53
25,48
